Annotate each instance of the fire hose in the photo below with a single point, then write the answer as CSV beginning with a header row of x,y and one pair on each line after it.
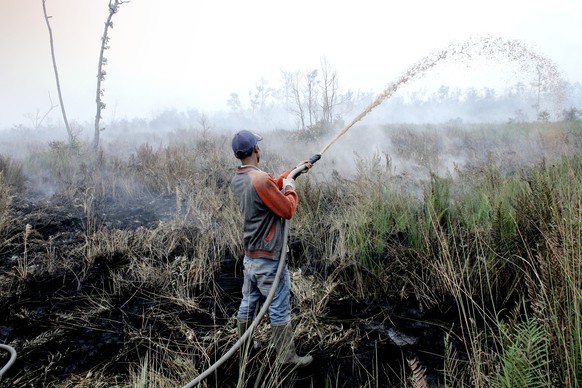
x,y
268,300
12,352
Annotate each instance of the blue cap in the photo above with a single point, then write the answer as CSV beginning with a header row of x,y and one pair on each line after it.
x,y
243,142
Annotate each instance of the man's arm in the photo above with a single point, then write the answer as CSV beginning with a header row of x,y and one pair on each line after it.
x,y
269,190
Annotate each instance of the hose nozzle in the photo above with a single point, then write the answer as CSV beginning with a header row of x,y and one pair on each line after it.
x,y
314,158
299,169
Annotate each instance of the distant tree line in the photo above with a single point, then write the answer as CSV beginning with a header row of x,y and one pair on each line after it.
x,y
314,100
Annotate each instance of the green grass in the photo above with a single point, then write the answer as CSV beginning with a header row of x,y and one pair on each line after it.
x,y
497,242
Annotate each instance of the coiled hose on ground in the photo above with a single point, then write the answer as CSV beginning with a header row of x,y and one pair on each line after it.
x,y
268,300
12,352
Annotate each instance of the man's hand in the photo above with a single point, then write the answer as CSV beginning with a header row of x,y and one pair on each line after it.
x,y
307,165
288,182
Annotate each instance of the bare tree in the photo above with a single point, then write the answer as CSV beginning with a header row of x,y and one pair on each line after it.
x,y
260,95
234,102
285,92
63,112
539,87
311,96
293,86
113,8
36,119
329,89
205,125
314,96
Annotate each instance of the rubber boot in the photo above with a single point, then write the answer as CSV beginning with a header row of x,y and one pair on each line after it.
x,y
242,326
283,341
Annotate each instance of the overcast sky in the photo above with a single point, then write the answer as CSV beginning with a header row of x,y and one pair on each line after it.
x,y
192,54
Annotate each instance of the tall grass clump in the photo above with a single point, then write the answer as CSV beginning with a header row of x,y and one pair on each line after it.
x,y
517,288
57,167
5,201
550,217
12,182
360,226
12,173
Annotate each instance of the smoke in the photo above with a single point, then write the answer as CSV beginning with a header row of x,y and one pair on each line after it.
x,y
431,152
376,130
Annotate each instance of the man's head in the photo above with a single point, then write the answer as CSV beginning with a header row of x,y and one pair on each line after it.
x,y
243,143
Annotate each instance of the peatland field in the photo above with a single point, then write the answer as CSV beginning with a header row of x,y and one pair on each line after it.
x,y
442,255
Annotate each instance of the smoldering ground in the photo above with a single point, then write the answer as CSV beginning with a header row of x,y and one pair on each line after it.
x,y
132,271
127,269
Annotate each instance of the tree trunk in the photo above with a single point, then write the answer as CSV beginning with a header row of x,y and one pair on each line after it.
x,y
46,18
113,8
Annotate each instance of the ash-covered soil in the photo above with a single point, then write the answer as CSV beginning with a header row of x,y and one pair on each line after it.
x,y
69,321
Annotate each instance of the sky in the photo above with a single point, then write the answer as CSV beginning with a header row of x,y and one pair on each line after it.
x,y
184,54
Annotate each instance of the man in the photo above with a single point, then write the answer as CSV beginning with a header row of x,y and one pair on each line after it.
x,y
265,201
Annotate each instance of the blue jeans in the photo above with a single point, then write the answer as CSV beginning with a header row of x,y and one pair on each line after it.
x,y
259,275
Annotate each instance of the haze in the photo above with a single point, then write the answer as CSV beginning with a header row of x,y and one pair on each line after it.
x,y
181,54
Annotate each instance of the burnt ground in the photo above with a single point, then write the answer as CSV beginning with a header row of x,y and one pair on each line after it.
x,y
63,326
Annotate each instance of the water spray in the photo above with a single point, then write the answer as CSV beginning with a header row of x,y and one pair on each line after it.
x,y
483,47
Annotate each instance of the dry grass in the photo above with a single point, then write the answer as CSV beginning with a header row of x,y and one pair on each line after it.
x,y
486,244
